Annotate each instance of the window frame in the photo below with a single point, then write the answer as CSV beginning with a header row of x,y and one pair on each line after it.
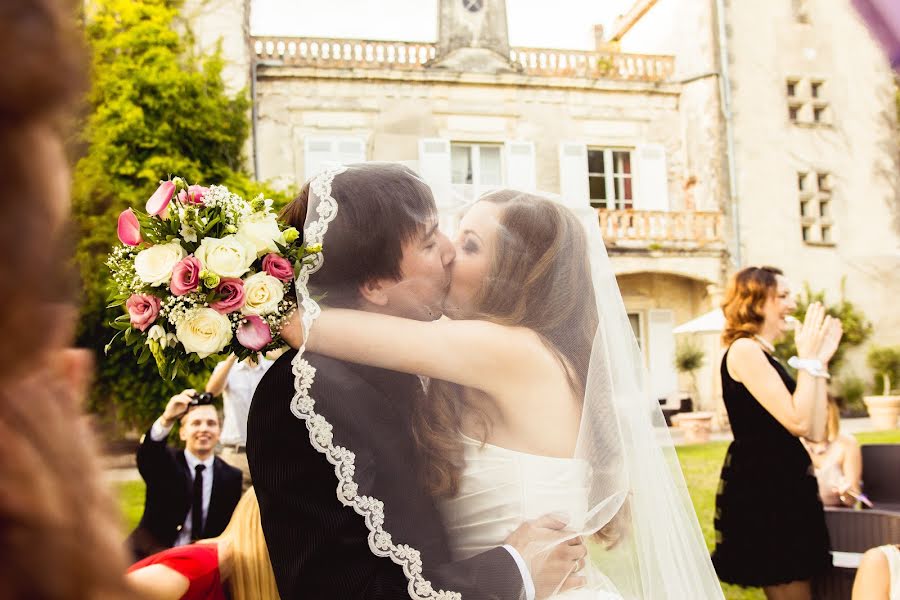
x,y
610,180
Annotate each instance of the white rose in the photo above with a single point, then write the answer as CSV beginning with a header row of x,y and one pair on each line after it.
x,y
154,265
230,256
262,293
204,331
262,230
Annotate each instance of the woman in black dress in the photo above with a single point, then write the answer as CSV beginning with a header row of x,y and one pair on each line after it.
x,y
770,524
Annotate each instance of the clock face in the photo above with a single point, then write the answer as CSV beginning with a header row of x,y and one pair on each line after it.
x,y
473,5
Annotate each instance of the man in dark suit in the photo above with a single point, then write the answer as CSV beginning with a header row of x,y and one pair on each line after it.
x,y
384,253
191,493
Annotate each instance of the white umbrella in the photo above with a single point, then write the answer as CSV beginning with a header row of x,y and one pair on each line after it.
x,y
711,322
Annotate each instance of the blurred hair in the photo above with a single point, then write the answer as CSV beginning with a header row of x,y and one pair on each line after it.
x,y
381,207
251,576
745,299
59,537
833,421
539,278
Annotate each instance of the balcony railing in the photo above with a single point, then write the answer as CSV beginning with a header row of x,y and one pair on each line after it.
x,y
661,227
414,56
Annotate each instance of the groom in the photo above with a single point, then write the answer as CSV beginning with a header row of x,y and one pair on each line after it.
x,y
383,253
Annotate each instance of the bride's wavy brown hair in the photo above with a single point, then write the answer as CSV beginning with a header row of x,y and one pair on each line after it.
x,y
539,278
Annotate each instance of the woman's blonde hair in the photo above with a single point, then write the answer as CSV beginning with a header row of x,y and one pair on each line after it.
x,y
747,293
833,421
251,577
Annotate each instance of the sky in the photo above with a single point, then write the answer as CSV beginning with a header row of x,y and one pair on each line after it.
x,y
536,23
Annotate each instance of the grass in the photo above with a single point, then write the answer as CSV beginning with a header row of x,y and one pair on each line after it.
x,y
701,464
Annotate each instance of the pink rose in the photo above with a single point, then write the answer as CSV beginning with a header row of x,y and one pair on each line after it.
x,y
193,195
232,288
253,333
129,230
186,276
159,201
278,267
143,310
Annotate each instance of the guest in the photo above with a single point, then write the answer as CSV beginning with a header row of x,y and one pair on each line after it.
x,y
236,382
59,536
837,462
237,560
770,524
191,493
878,576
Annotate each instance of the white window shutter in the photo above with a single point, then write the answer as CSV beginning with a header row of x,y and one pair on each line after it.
x,y
651,180
317,153
661,352
520,168
351,150
434,166
573,175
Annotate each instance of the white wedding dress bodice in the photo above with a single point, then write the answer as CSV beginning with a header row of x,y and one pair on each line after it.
x,y
501,488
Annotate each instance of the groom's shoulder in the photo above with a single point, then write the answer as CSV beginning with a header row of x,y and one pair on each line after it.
x,y
328,371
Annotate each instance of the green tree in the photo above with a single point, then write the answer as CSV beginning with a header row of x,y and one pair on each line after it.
x,y
857,328
156,107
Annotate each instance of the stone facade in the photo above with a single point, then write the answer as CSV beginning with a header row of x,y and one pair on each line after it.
x,y
652,90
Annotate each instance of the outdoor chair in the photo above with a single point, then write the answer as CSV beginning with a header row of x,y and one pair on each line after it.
x,y
881,475
852,532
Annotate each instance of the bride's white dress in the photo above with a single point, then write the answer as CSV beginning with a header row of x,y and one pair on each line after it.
x,y
501,488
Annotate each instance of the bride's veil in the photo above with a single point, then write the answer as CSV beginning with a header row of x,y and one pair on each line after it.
x,y
636,514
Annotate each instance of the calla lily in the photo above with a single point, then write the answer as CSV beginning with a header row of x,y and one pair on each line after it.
x,y
160,199
254,333
129,230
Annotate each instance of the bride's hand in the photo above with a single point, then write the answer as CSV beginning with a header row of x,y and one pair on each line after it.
x,y
292,330
552,554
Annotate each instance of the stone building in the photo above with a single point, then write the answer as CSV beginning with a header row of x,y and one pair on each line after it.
x,y
706,140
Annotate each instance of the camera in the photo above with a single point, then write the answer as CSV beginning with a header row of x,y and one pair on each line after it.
x,y
201,399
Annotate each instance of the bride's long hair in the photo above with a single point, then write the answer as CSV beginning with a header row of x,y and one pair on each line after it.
x,y
539,278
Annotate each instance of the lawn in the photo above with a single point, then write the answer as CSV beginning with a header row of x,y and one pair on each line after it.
x,y
701,464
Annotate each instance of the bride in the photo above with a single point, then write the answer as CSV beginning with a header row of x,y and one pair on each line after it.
x,y
536,401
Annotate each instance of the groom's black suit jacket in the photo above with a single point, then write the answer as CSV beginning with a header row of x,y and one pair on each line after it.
x,y
319,548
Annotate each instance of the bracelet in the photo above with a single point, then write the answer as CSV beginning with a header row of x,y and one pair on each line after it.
x,y
813,366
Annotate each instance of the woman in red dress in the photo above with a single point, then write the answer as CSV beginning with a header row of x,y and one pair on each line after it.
x,y
237,560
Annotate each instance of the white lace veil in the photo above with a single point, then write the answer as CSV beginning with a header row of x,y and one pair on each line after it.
x,y
648,543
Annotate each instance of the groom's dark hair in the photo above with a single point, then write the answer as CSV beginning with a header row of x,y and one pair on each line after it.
x,y
380,206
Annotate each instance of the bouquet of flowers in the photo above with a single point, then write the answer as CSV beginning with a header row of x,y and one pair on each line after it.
x,y
202,273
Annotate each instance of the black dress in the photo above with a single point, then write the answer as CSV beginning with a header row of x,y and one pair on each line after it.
x,y
770,524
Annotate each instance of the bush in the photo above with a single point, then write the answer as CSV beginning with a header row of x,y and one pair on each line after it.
x,y
155,108
857,328
885,363
852,389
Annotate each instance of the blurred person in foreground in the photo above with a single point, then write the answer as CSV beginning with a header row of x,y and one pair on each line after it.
x,y
234,565
770,523
838,463
59,538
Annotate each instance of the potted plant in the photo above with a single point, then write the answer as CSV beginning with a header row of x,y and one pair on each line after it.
x,y
696,425
884,409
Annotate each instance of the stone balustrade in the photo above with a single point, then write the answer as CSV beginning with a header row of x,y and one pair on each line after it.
x,y
543,62
661,227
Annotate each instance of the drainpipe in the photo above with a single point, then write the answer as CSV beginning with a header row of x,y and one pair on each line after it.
x,y
725,98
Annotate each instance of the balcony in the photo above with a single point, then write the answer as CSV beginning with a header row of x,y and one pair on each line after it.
x,y
330,53
658,230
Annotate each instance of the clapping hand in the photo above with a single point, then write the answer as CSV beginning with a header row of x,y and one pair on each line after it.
x,y
819,334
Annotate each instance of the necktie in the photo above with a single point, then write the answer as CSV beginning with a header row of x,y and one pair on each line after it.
x,y
197,504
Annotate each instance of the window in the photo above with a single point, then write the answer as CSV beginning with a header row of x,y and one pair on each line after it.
x,y
477,164
610,178
807,103
815,89
816,223
635,320
792,88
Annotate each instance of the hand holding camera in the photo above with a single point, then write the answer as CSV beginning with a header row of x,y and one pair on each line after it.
x,y
179,405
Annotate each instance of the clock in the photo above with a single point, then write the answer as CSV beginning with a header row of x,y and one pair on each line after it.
x,y
473,6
